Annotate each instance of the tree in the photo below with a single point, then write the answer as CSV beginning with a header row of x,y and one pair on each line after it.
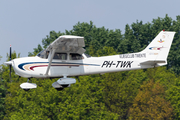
x,y
2,94
120,89
36,51
49,39
150,103
94,37
173,95
2,99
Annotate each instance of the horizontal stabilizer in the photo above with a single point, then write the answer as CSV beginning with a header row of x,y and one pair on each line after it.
x,y
152,62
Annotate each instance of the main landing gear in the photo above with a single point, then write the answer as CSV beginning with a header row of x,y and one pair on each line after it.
x,y
62,83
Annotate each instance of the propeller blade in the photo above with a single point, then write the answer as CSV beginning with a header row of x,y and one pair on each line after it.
x,y
10,53
10,72
10,64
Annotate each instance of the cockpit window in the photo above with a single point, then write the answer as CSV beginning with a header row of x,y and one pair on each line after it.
x,y
60,56
43,54
75,56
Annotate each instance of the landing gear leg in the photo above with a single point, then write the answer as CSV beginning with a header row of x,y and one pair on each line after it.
x,y
28,80
27,88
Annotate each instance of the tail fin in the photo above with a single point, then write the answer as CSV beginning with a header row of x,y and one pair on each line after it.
x,y
158,50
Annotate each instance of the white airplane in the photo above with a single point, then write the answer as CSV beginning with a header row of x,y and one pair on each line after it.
x,y
65,57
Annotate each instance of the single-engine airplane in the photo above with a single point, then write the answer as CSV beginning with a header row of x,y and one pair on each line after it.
x,y
65,57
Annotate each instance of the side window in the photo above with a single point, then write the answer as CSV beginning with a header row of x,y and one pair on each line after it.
x,y
47,54
60,56
75,56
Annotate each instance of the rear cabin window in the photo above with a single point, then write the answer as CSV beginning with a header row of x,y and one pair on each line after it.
x,y
75,56
60,56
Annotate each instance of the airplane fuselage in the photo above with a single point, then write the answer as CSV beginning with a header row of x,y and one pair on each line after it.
x,y
36,67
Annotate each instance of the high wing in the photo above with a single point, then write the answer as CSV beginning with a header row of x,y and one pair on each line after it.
x,y
68,43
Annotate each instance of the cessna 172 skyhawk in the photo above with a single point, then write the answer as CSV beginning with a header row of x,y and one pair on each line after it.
x,y
65,57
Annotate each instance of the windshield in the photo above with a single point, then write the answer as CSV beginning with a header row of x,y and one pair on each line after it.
x,y
88,56
43,54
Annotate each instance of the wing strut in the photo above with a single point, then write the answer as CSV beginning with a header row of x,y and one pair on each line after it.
x,y
50,61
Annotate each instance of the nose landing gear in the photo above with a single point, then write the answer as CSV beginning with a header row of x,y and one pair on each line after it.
x,y
27,86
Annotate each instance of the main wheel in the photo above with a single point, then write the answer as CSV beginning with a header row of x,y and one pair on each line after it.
x,y
59,89
65,85
26,89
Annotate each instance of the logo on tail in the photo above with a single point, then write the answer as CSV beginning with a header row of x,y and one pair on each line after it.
x,y
160,41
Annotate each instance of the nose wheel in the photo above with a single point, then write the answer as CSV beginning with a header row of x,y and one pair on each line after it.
x,y
27,86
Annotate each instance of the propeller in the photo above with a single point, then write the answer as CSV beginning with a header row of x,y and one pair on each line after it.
x,y
9,63
25,86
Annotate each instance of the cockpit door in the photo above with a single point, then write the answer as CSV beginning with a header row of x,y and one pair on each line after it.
x,y
75,64
59,66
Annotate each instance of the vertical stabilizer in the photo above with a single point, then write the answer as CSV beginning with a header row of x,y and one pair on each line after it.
x,y
157,51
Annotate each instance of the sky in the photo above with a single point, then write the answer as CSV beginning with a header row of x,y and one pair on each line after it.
x,y
24,23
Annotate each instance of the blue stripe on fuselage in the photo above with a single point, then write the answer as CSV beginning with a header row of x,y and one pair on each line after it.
x,y
22,64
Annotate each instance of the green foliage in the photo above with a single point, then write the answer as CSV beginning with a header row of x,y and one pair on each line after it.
x,y
108,96
171,85
2,99
81,101
173,95
13,56
36,51
94,37
150,103
49,39
4,81
105,51
120,89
